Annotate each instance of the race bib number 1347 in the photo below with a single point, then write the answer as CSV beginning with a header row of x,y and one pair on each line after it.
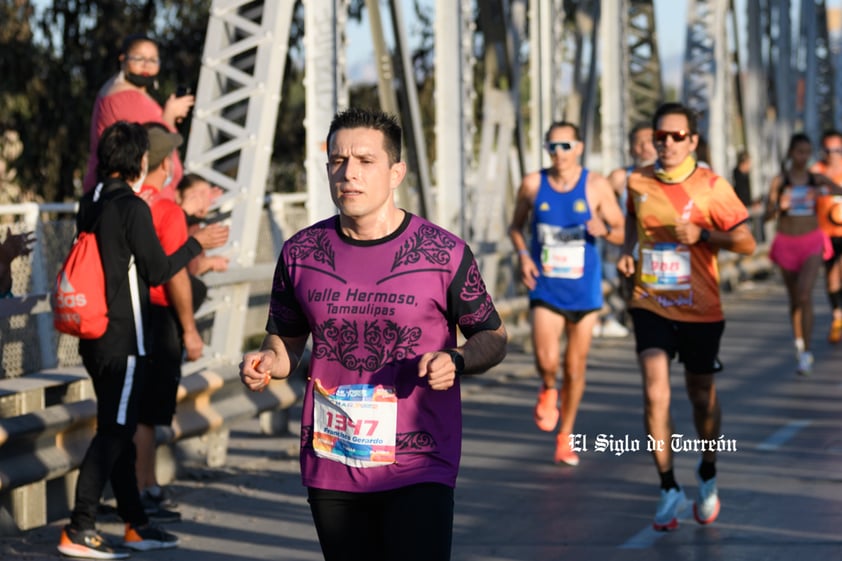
x,y
355,424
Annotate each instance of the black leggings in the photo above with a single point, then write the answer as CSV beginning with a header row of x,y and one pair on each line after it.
x,y
412,523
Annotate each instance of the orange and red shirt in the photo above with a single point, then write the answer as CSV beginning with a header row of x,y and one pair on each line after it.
x,y
677,281
828,206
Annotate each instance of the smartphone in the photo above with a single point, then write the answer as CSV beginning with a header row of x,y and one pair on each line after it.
x,y
183,90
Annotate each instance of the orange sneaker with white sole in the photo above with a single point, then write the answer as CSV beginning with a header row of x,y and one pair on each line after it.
x,y
546,409
563,453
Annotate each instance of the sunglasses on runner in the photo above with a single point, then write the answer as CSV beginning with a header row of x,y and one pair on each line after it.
x,y
833,150
564,146
677,136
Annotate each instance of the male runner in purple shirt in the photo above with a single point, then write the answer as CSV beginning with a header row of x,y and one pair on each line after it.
x,y
381,292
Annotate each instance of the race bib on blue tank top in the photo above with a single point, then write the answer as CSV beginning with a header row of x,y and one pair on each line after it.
x,y
562,251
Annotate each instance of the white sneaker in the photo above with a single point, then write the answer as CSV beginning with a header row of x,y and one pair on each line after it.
x,y
706,507
666,516
613,328
805,363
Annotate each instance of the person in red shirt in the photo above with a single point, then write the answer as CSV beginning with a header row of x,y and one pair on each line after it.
x,y
126,97
171,316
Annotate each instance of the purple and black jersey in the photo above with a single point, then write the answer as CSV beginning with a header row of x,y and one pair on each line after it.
x,y
372,309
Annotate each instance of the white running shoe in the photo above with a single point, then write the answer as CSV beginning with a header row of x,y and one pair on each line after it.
x,y
610,327
805,363
666,516
613,328
706,507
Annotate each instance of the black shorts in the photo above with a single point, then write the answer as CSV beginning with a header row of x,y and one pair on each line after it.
x,y
696,343
836,243
166,349
573,316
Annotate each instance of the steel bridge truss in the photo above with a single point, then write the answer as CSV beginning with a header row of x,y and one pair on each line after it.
x,y
552,44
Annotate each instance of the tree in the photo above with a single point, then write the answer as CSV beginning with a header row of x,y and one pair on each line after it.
x,y
55,60
52,74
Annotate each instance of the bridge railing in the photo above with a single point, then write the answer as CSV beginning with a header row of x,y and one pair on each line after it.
x,y
47,408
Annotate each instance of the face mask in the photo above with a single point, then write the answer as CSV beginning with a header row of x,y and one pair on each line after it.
x,y
141,81
168,180
138,185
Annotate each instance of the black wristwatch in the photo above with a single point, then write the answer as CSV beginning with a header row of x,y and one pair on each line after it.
x,y
458,361
704,235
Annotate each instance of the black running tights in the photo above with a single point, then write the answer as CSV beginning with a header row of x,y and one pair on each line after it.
x,y
413,523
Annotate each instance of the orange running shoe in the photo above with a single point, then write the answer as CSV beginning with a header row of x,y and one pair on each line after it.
x,y
835,334
546,410
563,453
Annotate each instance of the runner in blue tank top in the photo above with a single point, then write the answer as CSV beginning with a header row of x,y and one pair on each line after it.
x,y
567,208
571,267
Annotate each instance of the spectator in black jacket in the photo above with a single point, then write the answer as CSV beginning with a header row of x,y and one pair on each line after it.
x,y
132,260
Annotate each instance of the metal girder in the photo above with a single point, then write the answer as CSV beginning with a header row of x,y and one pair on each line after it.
x,y
563,66
615,103
631,85
754,102
326,92
587,37
781,66
502,23
383,60
815,68
386,77
645,85
232,133
455,96
824,79
706,75
546,55
413,128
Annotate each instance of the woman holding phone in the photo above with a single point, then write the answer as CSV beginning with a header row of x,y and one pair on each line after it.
x,y
126,96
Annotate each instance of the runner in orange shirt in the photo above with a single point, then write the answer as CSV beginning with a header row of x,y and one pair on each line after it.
x,y
829,214
679,216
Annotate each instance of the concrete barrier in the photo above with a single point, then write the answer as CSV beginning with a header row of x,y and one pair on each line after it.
x,y
43,442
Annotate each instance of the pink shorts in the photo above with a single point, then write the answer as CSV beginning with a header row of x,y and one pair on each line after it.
x,y
790,252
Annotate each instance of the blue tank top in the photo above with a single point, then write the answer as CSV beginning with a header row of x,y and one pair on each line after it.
x,y
564,251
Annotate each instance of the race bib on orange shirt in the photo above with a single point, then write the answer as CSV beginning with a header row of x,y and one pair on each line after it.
x,y
665,266
355,424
